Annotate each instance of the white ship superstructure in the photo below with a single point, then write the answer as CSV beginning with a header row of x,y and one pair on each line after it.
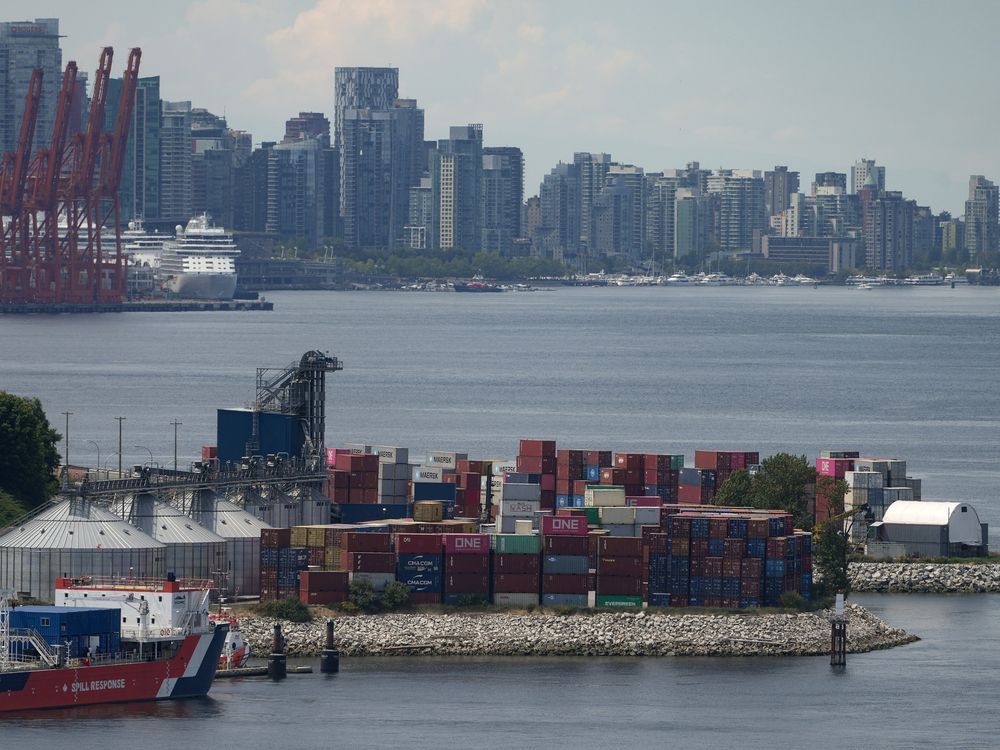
x,y
200,263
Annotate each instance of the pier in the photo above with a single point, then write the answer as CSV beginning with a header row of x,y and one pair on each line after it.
x,y
159,305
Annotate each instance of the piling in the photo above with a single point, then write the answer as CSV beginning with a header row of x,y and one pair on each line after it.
x,y
277,667
329,661
838,643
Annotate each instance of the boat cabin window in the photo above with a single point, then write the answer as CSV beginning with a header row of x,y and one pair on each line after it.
x,y
44,622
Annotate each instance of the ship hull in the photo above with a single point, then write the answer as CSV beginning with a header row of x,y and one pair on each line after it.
x,y
203,285
188,674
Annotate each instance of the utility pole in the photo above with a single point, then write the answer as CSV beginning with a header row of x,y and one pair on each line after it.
x,y
66,414
176,424
120,420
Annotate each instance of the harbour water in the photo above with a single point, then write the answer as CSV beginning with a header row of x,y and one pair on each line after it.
x,y
901,372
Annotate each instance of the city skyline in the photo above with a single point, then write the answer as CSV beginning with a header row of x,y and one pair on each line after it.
x,y
727,90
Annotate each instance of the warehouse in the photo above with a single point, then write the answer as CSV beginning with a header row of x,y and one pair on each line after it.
x,y
928,529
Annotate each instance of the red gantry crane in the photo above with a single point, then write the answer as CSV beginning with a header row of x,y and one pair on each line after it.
x,y
53,206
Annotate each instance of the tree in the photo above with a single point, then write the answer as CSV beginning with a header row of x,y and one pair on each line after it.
x,y
28,453
830,559
10,509
781,483
736,491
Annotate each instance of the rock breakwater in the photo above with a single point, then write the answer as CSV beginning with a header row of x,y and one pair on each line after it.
x,y
590,634
925,578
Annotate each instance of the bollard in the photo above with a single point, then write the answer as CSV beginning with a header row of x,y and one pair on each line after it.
x,y
838,643
277,667
329,662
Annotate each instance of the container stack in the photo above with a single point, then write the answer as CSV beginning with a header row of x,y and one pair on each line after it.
x,y
658,583
323,587
358,473
863,488
572,474
393,475
368,556
565,561
661,475
695,486
834,468
420,566
429,483
619,572
516,570
466,568
271,542
469,500
631,468
788,567
519,499
539,457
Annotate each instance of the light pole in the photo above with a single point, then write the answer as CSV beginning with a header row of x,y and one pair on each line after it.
x,y
94,443
67,414
147,451
176,424
120,420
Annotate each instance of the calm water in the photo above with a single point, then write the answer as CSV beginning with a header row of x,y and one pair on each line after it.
x,y
905,372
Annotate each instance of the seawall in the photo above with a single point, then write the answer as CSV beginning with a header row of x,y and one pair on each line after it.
x,y
924,578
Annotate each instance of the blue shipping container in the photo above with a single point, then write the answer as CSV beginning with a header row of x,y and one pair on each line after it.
x,y
570,600
420,563
659,600
444,491
572,565
579,501
360,513
432,582
593,473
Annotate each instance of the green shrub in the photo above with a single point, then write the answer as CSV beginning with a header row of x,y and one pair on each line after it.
x,y
362,596
395,596
793,600
285,609
471,600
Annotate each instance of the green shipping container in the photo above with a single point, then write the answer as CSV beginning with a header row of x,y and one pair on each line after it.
x,y
677,462
517,544
619,602
593,516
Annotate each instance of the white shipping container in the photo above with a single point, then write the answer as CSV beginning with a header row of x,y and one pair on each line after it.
x,y
521,492
446,459
401,487
388,454
892,494
598,497
647,516
897,469
624,529
389,471
378,580
504,467
496,486
428,474
523,526
614,515
357,449
863,479
915,485
518,508
515,600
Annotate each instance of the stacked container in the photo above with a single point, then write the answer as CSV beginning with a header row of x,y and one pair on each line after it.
x,y
834,468
516,570
393,474
695,486
420,566
368,556
661,476
565,561
571,474
619,572
271,542
724,463
469,495
354,479
539,457
466,568
863,488
323,587
629,472
518,500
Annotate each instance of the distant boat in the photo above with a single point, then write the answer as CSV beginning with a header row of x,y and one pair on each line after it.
x,y
474,286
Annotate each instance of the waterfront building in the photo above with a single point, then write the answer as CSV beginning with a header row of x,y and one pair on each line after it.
x,y
661,189
176,186
306,204
833,253
779,186
981,228
502,197
211,167
558,233
692,223
421,215
362,88
139,194
887,228
531,217
618,219
24,46
592,170
951,233
861,171
741,207
456,182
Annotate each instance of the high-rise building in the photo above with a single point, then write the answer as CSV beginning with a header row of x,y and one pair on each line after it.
x,y
408,164
305,211
558,233
531,217
741,207
211,167
833,180
139,194
307,125
981,217
24,46
250,191
176,184
421,215
618,221
661,189
502,197
859,175
456,180
362,88
888,228
779,186
691,223
592,170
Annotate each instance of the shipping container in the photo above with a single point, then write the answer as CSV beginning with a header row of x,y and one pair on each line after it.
x,y
609,601
515,599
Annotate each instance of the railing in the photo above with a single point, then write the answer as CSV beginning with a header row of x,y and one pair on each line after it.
x,y
24,637
143,584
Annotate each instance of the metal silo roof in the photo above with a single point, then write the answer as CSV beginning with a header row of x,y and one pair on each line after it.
x,y
229,521
78,524
164,522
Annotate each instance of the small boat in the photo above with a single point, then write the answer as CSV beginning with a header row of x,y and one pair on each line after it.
x,y
236,652
474,286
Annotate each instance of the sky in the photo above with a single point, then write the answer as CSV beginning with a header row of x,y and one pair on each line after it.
x,y
744,85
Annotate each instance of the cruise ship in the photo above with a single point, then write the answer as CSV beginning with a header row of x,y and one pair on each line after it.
x,y
200,262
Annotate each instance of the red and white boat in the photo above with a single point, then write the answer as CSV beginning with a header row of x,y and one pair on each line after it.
x,y
169,647
236,651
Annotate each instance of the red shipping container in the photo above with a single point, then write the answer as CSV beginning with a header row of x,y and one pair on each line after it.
x,y
323,580
368,562
613,476
279,538
619,586
514,584
321,598
718,528
707,459
547,499
630,461
209,452
467,544
467,564
643,501
731,568
566,545
339,478
419,544
566,512
580,486
698,548
713,567
689,494
466,583
545,448
564,584
536,464
564,487
627,567
834,467
425,597
620,546
548,483
564,526
341,495
660,544
367,541
464,465
515,564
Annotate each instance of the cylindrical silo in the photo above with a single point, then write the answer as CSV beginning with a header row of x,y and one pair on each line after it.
x,y
242,534
71,539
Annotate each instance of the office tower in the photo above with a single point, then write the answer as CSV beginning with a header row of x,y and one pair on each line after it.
x,y
779,186
24,46
860,172
980,217
456,179
362,88
408,164
307,125
176,198
502,197
139,194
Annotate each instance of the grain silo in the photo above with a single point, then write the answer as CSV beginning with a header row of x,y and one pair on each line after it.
x,y
75,538
192,551
242,534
